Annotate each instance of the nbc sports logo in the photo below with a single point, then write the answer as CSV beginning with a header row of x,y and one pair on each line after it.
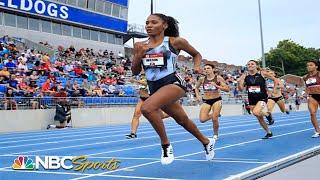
x,y
23,163
78,163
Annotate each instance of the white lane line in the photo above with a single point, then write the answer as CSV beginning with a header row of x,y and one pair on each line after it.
x,y
275,164
119,135
134,158
107,142
93,129
191,139
58,135
105,133
153,162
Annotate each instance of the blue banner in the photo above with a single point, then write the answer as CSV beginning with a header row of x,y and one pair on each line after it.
x,y
58,11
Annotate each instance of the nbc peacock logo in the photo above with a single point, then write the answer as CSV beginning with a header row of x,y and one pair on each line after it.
x,y
23,163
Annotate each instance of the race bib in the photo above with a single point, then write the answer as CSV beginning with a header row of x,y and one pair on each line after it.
x,y
153,60
270,84
311,81
254,89
209,87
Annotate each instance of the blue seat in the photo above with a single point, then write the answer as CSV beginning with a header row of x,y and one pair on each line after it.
x,y
3,89
30,66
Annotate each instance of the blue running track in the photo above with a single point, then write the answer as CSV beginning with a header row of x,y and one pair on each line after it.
x,y
239,149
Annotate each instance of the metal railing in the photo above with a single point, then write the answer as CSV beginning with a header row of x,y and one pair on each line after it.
x,y
49,102
136,28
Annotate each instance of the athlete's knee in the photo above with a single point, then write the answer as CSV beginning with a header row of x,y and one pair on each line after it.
x,y
147,110
202,118
313,114
256,112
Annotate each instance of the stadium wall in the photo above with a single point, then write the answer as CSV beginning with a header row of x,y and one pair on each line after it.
x,y
35,120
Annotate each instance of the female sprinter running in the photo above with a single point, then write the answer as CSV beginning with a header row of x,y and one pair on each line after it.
x,y
312,81
144,94
255,83
274,90
212,84
158,57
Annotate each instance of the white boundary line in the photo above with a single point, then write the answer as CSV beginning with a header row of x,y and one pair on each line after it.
x,y
144,164
274,164
107,142
106,133
241,124
146,125
153,162
79,133
191,139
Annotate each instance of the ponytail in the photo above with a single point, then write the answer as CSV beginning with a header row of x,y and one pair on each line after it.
x,y
173,28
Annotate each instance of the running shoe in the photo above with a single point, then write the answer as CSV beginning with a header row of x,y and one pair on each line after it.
x,y
166,154
215,137
270,119
316,134
131,136
209,149
268,136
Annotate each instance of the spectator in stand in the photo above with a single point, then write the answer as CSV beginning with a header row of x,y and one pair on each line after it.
x,y
99,71
111,55
45,88
23,86
121,92
5,73
13,83
98,90
87,89
2,80
9,102
23,58
78,70
11,65
121,80
4,52
68,68
22,67
105,53
34,76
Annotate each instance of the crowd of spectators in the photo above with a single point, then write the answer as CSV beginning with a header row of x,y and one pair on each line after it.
x,y
30,73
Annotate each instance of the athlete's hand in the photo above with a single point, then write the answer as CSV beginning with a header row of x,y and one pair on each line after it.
x,y
196,70
140,49
243,76
199,99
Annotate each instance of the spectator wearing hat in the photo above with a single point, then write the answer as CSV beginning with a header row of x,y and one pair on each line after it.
x,y
11,65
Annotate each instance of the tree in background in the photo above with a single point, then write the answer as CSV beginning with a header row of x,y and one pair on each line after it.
x,y
290,58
